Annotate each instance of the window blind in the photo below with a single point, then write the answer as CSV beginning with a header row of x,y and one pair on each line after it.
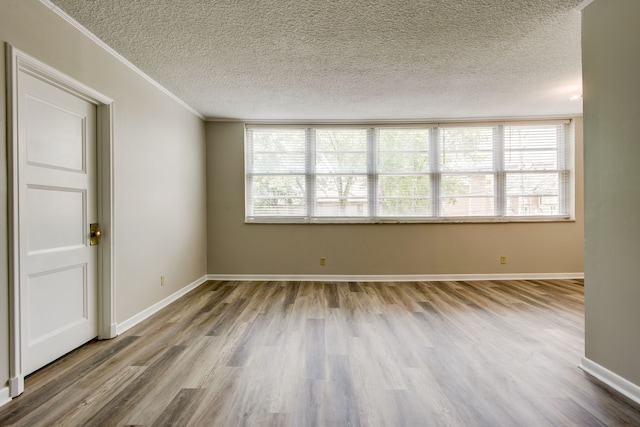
x,y
492,172
402,167
341,173
276,184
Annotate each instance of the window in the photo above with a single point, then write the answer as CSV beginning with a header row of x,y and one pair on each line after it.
x,y
480,172
341,167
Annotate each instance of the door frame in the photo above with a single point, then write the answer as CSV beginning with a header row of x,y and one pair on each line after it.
x,y
18,61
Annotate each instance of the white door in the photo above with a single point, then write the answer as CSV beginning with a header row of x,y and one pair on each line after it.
x,y
56,204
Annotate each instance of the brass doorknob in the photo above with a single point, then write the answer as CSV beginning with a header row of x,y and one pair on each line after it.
x,y
94,234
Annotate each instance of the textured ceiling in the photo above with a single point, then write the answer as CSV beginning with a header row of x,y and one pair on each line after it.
x,y
350,59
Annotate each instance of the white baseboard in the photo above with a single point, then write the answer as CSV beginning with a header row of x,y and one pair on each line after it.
x,y
134,320
5,397
613,380
392,278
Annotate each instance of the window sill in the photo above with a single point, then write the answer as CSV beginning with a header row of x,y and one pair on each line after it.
x,y
478,220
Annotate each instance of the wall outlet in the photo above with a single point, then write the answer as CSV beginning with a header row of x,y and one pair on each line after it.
x,y
162,280
503,260
323,261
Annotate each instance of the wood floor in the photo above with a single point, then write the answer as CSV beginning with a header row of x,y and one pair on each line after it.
x,y
337,354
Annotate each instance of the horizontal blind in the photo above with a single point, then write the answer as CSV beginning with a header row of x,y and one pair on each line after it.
x,y
277,172
403,187
341,173
278,151
412,173
535,170
467,181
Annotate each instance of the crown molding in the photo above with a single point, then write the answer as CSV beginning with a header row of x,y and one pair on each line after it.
x,y
116,55
584,4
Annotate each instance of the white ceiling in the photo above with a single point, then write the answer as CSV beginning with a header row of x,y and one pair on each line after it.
x,y
350,59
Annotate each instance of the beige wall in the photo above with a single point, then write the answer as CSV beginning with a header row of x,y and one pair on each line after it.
x,y
610,42
162,225
372,249
160,197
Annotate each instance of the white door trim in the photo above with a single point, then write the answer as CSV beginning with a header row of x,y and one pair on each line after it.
x,y
18,61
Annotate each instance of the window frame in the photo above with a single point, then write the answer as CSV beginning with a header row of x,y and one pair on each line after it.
x,y
565,169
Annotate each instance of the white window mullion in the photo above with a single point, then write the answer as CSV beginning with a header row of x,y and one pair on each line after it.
x,y
498,167
372,175
434,169
310,174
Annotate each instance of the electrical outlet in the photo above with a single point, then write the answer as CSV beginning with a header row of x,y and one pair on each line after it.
x,y
162,280
323,261
503,260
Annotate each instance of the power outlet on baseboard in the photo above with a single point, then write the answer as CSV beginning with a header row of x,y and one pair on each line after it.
x,y
162,281
503,260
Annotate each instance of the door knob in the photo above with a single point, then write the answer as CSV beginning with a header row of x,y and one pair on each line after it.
x,y
94,234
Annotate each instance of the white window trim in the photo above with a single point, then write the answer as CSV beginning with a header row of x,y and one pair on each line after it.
x,y
567,191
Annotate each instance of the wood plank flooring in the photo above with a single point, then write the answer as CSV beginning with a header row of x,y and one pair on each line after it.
x,y
484,353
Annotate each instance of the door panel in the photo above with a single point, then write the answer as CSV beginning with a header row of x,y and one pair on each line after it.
x,y
57,202
64,224
54,136
62,294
